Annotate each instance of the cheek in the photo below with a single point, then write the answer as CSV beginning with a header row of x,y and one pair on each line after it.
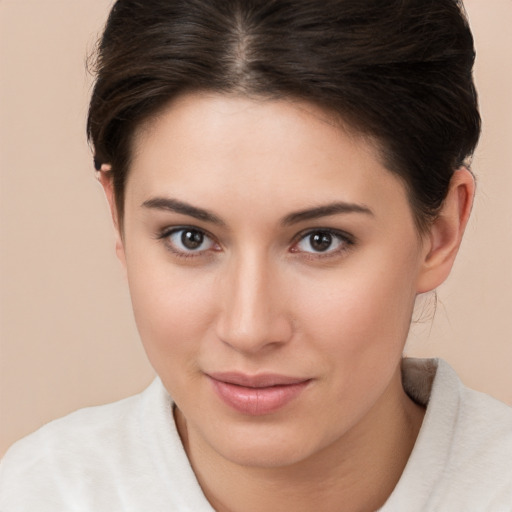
x,y
172,310
359,311
357,326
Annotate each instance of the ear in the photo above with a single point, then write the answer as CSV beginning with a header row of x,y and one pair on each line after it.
x,y
445,235
105,178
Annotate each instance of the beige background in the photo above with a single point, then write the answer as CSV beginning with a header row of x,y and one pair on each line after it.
x,y
67,335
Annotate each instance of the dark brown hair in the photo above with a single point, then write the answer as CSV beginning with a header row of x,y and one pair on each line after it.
x,y
399,71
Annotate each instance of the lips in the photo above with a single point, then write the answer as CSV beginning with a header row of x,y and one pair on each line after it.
x,y
257,395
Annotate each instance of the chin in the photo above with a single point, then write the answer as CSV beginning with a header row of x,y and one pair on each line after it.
x,y
264,455
264,446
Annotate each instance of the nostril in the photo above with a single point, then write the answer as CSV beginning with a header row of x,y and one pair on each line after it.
x,y
251,335
252,315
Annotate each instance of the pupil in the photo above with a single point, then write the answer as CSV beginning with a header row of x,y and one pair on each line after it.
x,y
321,241
192,239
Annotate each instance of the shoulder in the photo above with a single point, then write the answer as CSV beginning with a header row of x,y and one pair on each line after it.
x,y
75,433
435,384
481,449
462,457
73,455
480,424
478,468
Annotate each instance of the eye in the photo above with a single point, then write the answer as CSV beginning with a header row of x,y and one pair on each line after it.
x,y
188,241
322,242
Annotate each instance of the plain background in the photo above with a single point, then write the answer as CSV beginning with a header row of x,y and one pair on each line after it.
x,y
68,339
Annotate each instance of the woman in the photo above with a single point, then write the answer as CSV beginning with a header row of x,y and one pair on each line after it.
x,y
284,178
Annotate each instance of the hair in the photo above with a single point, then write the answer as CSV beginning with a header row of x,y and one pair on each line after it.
x,y
397,71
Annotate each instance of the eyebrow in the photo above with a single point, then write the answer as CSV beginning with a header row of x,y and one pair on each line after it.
x,y
325,211
174,205
177,206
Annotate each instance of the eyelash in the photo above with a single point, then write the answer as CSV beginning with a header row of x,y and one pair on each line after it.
x,y
165,235
345,240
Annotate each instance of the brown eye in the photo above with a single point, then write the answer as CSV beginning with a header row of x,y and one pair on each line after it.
x,y
322,241
192,239
188,241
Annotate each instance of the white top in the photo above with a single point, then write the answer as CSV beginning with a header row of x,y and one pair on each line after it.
x,y
127,456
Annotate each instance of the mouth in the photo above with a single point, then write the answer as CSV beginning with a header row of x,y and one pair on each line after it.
x,y
257,395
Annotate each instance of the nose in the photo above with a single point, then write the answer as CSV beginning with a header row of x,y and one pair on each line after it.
x,y
253,313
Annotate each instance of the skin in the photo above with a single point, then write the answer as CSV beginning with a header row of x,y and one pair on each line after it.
x,y
257,297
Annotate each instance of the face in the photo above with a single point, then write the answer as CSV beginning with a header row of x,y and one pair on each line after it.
x,y
273,264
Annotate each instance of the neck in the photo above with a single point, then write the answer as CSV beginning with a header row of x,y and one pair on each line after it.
x,y
370,456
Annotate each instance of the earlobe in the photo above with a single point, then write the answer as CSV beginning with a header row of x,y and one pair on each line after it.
x,y
445,235
104,176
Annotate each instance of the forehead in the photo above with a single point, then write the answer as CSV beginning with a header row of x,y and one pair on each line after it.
x,y
215,148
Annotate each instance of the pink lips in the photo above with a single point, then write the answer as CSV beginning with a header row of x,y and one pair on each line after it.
x,y
256,395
